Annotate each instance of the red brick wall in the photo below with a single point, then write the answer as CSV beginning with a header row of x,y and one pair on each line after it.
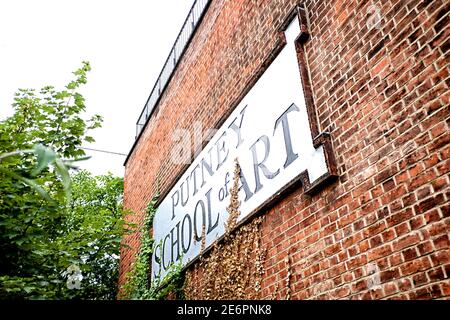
x,y
382,229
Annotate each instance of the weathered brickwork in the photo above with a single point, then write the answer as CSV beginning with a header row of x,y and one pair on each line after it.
x,y
382,229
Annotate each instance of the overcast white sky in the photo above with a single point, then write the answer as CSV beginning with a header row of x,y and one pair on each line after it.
x,y
126,42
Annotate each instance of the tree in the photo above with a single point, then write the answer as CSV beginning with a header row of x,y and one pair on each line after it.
x,y
93,233
46,226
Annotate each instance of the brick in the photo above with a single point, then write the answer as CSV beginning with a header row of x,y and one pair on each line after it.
x,y
432,216
425,248
406,241
389,275
390,288
399,217
436,274
439,184
423,192
441,242
415,266
409,254
402,229
404,284
421,179
440,257
409,200
395,259
379,252
359,286
417,222
375,241
440,142
428,204
382,94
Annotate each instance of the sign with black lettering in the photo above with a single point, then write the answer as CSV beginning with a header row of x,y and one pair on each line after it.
x,y
270,134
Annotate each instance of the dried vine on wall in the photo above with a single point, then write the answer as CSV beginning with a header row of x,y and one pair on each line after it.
x,y
233,269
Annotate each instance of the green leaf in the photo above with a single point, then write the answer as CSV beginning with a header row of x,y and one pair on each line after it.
x,y
28,182
45,156
89,139
43,228
65,177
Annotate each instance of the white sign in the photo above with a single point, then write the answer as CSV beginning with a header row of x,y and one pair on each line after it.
x,y
270,135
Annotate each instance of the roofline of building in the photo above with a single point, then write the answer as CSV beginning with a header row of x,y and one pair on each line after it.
x,y
194,31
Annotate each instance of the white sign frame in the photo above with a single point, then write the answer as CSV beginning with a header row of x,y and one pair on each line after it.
x,y
269,132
